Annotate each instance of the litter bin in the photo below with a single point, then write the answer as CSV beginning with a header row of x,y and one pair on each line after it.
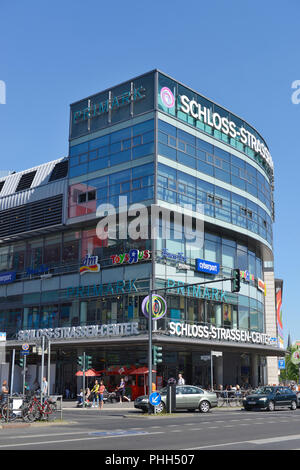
x,y
171,396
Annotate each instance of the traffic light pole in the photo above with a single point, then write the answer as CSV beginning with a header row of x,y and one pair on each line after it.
x,y
83,379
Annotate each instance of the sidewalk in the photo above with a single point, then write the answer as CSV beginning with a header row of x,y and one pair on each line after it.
x,y
72,404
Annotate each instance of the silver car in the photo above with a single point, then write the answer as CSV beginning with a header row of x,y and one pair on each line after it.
x,y
188,397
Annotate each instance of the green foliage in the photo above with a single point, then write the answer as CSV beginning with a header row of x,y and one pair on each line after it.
x,y
291,371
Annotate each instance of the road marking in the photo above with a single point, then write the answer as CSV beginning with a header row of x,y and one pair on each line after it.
x,y
81,439
256,442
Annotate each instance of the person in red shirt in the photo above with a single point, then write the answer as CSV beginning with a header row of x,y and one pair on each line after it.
x,y
101,390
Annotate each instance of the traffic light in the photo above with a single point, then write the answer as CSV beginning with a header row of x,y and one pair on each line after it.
x,y
21,362
80,362
157,355
236,281
88,362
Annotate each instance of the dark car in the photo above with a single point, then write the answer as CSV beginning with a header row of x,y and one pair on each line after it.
x,y
269,398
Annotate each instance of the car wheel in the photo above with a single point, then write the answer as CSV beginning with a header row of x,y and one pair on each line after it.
x,y
271,406
293,405
204,406
161,407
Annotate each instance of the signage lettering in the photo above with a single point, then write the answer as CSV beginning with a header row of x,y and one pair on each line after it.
x,y
105,106
212,332
89,264
220,123
207,266
134,256
91,331
6,278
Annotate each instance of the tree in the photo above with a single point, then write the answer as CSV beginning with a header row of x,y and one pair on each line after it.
x,y
291,371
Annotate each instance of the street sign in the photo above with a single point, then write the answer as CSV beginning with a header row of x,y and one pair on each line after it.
x,y
155,399
24,353
205,358
281,363
25,347
217,353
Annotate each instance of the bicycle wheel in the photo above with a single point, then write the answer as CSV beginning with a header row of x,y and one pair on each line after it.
x,y
29,413
221,402
8,413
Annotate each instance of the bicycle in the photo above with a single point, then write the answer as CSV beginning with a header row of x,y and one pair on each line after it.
x,y
34,410
7,414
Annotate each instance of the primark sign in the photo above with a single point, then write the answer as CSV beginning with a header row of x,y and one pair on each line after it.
x,y
80,332
212,332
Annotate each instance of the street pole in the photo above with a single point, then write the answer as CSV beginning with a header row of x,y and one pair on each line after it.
x,y
150,347
211,371
12,371
49,356
42,367
83,379
24,372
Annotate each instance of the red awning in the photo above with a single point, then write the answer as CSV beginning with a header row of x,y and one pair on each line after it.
x,y
89,373
140,371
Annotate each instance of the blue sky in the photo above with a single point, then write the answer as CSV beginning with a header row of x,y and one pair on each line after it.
x,y
243,55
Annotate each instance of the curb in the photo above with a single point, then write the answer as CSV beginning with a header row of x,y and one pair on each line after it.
x,y
37,424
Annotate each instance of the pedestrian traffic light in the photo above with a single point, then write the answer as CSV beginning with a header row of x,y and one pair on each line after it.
x,y
80,362
236,281
157,355
88,362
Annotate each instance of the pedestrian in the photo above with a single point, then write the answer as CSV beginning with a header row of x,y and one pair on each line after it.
x,y
102,389
4,390
181,380
95,394
121,390
80,398
67,393
44,387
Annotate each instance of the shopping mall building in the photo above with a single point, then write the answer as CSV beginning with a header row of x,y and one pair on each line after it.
x,y
68,274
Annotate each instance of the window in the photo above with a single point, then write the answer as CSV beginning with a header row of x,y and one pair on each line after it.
x,y
25,181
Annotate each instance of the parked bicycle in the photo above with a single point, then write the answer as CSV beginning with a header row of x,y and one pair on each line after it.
x,y
33,409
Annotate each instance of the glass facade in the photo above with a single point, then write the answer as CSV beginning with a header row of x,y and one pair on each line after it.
x,y
117,149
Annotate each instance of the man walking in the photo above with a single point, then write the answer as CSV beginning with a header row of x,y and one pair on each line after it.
x,y
181,380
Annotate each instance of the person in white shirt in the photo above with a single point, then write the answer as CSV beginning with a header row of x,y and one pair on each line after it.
x,y
44,386
181,380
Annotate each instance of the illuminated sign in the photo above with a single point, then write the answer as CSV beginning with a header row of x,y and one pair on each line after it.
x,y
167,97
134,256
110,104
198,291
207,266
224,125
97,290
261,286
212,332
159,306
43,268
91,331
176,257
6,278
89,264
247,276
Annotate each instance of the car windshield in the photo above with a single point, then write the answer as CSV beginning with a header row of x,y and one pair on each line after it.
x,y
263,390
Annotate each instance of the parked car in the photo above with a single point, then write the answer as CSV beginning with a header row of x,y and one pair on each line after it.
x,y
269,398
188,397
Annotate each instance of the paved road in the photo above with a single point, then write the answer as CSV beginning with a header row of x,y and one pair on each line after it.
x,y
122,428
